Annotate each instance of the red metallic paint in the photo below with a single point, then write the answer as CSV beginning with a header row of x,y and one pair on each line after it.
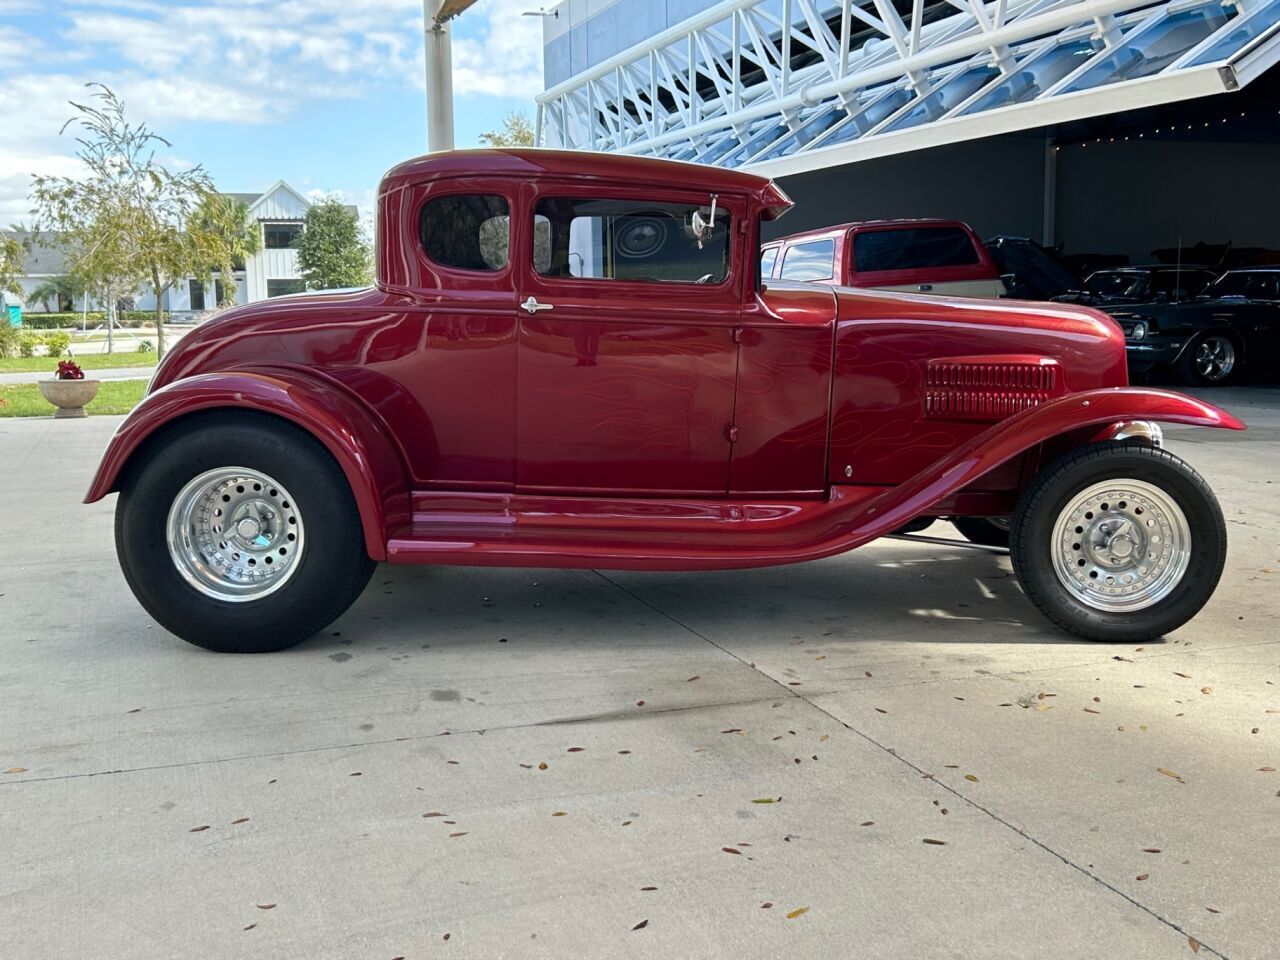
x,y
646,425
519,531
356,440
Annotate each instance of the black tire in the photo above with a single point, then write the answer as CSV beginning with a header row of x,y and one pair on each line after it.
x,y
332,567
988,531
1211,372
1032,540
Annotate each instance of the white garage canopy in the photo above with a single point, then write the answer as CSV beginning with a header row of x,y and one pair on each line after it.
x,y
786,86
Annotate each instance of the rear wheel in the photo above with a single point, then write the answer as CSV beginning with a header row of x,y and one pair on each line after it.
x,y
1119,541
989,531
241,535
1210,361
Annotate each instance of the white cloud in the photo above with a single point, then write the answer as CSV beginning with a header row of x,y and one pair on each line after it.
x,y
239,61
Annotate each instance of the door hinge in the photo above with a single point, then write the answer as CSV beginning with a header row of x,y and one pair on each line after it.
x,y
731,433
737,335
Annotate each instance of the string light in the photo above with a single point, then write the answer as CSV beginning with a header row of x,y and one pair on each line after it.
x,y
1141,135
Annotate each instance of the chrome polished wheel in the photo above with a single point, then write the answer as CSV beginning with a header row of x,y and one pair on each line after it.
x,y
1214,359
235,534
1121,545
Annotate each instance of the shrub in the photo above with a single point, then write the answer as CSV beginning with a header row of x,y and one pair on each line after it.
x,y
144,346
27,344
56,343
96,318
9,338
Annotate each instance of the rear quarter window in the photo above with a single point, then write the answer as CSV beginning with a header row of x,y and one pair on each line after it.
x,y
814,260
914,248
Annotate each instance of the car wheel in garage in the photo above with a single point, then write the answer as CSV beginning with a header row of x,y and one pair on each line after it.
x,y
1210,361
988,531
241,535
1118,541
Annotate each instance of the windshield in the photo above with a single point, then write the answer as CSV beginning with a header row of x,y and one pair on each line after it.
x,y
1254,284
1117,283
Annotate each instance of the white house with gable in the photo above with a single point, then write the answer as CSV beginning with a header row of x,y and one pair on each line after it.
x,y
277,213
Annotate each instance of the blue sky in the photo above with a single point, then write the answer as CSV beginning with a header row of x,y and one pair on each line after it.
x,y
326,94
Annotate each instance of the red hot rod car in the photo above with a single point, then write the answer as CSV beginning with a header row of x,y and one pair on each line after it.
x,y
570,360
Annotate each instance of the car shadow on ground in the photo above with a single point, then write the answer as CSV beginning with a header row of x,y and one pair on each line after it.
x,y
894,592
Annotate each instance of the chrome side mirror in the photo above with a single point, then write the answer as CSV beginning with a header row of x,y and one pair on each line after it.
x,y
704,227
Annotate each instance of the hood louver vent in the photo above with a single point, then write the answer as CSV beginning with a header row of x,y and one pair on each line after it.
x,y
987,389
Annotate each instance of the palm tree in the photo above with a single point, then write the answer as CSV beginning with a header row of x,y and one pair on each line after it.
x,y
225,230
61,290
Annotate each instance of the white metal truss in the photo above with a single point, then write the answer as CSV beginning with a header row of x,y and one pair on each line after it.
x,y
790,85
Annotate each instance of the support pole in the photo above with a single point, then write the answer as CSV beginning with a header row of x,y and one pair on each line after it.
x,y
1048,222
439,65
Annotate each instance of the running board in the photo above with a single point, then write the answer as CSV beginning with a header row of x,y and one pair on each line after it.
x,y
944,542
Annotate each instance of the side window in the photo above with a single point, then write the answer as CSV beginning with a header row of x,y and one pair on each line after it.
x,y
630,240
767,260
912,249
466,231
815,260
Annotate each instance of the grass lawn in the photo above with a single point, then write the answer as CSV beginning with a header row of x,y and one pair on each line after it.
x,y
91,361
114,396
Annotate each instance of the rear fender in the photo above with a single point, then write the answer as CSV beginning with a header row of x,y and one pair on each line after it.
x,y
1007,439
346,428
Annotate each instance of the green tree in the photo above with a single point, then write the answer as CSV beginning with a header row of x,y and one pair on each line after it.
x,y
228,236
11,259
516,131
333,251
125,223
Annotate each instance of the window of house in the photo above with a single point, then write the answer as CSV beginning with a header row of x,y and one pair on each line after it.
x,y
282,288
195,289
767,260
636,240
470,231
913,249
815,260
280,236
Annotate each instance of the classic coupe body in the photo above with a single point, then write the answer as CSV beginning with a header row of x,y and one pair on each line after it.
x,y
1127,286
570,360
1208,340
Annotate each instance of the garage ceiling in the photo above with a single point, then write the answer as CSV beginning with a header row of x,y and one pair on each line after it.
x,y
785,86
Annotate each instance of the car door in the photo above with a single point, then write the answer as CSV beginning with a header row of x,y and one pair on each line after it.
x,y
627,354
443,374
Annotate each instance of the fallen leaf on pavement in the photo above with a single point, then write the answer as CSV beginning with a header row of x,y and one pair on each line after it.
x,y
648,888
731,850
1194,944
266,906
971,778
1184,676
1206,690
797,912
198,829
1150,849
1143,876
16,770
878,710
435,813
641,925
575,749
542,765
867,823
768,904
241,820
560,813
696,676
936,843
1170,773
460,833
767,800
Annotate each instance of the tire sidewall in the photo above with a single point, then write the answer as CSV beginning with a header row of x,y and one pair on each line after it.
x,y
323,503
1033,541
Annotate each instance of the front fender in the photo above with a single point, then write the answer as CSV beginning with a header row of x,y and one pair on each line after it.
x,y
1019,433
346,428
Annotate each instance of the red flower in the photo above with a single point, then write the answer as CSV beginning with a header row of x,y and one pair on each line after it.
x,y
68,370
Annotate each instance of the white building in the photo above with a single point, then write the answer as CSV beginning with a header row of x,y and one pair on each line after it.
x,y
277,213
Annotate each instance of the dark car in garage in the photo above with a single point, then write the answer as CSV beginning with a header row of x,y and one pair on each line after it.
x,y
1141,284
1210,339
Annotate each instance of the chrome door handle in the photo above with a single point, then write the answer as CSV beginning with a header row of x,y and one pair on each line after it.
x,y
533,306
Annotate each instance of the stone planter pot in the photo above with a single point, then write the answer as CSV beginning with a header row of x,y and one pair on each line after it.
x,y
69,396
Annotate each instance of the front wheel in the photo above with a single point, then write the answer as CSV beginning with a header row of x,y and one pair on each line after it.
x,y
241,535
1119,541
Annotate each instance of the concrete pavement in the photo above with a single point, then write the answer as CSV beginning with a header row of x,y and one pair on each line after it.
x,y
1091,800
